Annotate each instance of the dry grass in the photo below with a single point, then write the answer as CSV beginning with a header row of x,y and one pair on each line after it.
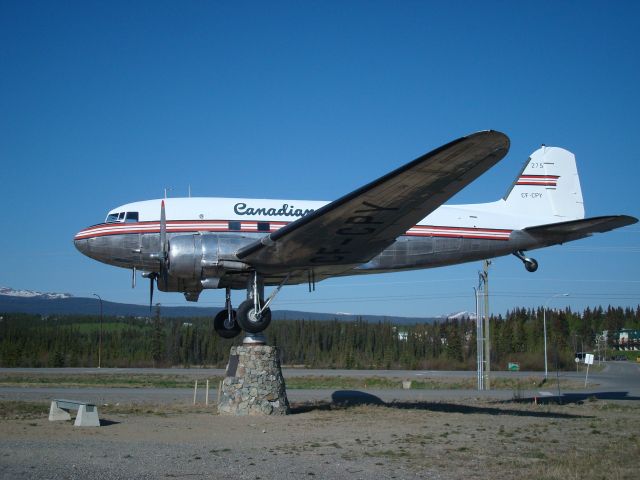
x,y
590,440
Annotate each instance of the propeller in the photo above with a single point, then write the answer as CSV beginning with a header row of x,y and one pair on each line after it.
x,y
163,232
162,256
151,278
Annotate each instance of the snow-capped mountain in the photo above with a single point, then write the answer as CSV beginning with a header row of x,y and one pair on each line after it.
x,y
32,294
460,315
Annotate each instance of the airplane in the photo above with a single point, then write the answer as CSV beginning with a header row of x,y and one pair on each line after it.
x,y
397,222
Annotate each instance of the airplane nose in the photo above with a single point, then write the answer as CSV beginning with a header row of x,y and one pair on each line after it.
x,y
82,244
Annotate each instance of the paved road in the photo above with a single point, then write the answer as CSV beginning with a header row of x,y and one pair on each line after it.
x,y
287,372
617,381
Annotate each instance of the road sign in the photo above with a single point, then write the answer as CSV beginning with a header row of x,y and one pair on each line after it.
x,y
588,359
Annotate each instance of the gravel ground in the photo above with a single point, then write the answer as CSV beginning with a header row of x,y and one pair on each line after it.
x,y
156,433
438,440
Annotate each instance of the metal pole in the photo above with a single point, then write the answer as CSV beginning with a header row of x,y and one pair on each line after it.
x,y
544,323
478,342
586,376
487,334
100,336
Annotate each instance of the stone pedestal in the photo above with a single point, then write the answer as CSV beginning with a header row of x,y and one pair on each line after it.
x,y
253,383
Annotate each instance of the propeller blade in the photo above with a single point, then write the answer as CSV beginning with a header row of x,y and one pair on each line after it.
x,y
163,231
163,243
150,292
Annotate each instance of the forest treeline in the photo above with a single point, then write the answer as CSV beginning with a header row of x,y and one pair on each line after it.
x,y
73,341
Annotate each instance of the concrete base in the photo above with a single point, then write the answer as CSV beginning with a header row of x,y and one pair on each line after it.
x,y
87,413
253,383
57,414
87,416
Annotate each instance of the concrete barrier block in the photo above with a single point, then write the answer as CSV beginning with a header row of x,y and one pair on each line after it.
x,y
87,416
56,413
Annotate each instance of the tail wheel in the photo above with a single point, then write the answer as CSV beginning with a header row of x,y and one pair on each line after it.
x,y
249,320
531,265
226,328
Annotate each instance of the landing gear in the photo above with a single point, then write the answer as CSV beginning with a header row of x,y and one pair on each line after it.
x,y
254,315
529,263
226,326
225,323
252,319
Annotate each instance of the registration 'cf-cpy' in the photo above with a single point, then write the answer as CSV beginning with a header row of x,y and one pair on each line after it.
x,y
397,222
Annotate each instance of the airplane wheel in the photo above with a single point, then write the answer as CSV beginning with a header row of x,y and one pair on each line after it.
x,y
249,321
531,265
220,327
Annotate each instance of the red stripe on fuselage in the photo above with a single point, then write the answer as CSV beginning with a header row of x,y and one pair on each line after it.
x,y
178,226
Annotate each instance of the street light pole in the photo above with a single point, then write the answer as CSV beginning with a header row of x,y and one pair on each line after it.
x,y
100,336
544,324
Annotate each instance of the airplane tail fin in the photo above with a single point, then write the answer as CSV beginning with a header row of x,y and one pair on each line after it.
x,y
548,187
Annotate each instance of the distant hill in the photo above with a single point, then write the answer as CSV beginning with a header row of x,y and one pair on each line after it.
x,y
28,301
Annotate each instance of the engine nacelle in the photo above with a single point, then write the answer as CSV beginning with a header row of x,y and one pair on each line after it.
x,y
174,284
193,256
204,258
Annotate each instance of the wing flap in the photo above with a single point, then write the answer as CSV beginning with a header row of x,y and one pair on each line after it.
x,y
353,229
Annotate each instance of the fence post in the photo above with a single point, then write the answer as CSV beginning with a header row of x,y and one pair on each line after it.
x,y
195,392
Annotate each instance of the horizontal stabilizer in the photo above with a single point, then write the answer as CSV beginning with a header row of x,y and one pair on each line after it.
x,y
565,231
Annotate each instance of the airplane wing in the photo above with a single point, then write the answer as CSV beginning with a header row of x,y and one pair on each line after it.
x,y
353,229
554,233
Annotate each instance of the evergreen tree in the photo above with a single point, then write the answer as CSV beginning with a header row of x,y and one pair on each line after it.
x,y
157,340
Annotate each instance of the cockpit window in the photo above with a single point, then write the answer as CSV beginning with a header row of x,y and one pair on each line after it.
x,y
131,217
128,217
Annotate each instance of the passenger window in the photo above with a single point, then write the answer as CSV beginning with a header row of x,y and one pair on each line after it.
x,y
234,226
112,217
263,226
132,217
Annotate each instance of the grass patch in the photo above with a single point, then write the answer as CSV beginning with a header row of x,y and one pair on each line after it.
x,y
153,380
102,380
440,383
17,410
20,410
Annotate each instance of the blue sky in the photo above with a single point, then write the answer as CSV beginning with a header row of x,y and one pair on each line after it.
x,y
103,103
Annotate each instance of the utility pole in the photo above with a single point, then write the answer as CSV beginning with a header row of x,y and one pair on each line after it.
x,y
487,335
479,342
483,335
